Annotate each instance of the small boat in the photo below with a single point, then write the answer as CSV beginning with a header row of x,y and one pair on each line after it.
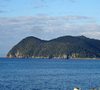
x,y
76,88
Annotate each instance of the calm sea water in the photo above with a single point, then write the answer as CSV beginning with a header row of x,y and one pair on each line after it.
x,y
44,74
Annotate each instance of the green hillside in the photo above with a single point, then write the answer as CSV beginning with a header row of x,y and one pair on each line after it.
x,y
62,47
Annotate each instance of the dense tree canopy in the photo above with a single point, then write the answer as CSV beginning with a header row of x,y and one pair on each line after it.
x,y
62,47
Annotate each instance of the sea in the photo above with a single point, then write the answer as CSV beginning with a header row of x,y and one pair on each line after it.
x,y
49,74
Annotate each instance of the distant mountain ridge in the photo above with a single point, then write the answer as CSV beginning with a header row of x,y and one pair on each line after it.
x,y
61,47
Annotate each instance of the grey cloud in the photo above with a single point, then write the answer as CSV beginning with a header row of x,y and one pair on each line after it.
x,y
43,19
92,34
42,25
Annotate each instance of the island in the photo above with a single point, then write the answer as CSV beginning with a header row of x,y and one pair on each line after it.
x,y
62,47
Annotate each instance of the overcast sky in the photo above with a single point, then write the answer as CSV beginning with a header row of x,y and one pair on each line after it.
x,y
47,19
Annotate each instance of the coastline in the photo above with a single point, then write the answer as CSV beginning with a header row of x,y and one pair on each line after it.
x,y
57,58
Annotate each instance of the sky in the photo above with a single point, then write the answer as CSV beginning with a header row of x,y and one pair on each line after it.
x,y
47,19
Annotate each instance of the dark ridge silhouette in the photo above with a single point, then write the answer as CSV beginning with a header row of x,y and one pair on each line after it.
x,y
61,47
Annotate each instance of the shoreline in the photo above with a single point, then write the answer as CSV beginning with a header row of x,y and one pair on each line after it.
x,y
54,58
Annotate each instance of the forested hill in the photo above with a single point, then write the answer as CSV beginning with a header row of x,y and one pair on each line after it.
x,y
62,47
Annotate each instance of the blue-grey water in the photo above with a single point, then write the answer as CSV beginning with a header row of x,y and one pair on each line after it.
x,y
48,74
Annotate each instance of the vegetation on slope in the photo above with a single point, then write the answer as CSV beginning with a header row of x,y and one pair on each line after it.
x,y
62,47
